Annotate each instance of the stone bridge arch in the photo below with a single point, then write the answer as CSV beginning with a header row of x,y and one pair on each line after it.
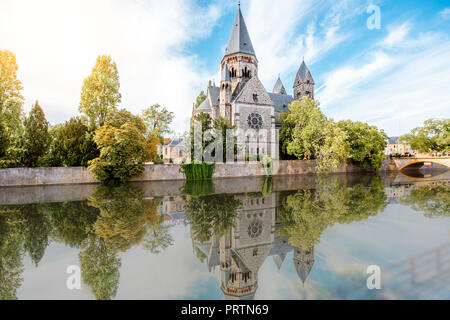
x,y
411,162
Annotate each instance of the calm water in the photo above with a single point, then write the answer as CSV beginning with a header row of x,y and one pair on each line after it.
x,y
283,238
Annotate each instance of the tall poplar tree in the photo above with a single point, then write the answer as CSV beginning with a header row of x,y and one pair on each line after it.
x,y
100,92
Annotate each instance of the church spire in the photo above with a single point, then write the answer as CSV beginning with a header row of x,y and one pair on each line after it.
x,y
279,88
239,39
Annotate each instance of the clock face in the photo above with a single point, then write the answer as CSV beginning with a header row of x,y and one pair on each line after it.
x,y
254,121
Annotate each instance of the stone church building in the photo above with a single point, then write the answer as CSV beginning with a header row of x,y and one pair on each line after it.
x,y
242,99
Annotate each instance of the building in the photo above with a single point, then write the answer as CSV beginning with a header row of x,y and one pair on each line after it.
x,y
242,99
394,147
173,151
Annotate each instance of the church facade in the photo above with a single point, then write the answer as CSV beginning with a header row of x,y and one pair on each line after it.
x,y
242,99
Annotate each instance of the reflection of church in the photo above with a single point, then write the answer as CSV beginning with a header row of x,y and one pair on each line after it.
x,y
241,252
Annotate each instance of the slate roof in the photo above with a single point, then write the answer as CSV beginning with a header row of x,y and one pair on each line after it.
x,y
214,92
239,39
176,142
393,140
226,73
303,71
281,101
204,106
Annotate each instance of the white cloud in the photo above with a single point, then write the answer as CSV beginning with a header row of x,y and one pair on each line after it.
x,y
396,35
397,93
445,13
56,44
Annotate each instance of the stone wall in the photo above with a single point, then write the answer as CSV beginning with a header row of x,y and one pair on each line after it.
x,y
167,172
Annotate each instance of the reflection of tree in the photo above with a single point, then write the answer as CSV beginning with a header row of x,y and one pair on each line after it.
x,y
38,228
307,213
433,200
212,214
100,268
127,219
72,221
11,252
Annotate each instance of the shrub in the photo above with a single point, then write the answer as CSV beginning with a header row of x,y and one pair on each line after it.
x,y
198,171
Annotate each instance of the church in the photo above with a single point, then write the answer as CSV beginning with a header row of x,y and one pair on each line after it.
x,y
242,99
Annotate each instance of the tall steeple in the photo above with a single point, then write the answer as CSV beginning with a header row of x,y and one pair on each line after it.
x,y
240,55
239,39
279,88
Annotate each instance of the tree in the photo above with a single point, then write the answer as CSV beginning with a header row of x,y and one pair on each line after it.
x,y
11,104
100,268
122,145
203,122
433,136
307,134
223,125
367,143
157,119
200,98
36,138
38,228
100,92
73,143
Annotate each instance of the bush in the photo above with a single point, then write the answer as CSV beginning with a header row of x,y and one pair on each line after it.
x,y
267,165
8,164
49,160
158,160
198,171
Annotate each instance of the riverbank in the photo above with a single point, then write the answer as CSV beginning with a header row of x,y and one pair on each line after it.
x,y
167,172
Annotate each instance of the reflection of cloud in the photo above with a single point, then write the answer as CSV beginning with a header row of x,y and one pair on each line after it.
x,y
172,274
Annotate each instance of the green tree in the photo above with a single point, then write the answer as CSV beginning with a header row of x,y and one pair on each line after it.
x,y
307,134
211,215
122,145
434,135
38,229
73,143
100,268
36,137
223,125
157,120
434,200
100,92
203,122
367,143
200,98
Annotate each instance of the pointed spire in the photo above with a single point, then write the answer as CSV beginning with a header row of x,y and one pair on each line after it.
x,y
279,88
239,39
226,73
278,259
303,71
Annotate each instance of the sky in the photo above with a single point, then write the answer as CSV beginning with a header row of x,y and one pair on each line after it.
x,y
395,76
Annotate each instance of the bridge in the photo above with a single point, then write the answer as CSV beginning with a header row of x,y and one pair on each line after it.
x,y
418,162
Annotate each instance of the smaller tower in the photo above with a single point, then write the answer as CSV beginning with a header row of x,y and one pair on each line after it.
x,y
225,93
279,88
304,83
303,260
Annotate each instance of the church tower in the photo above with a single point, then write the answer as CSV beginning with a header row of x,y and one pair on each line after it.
x,y
304,83
239,55
303,260
225,94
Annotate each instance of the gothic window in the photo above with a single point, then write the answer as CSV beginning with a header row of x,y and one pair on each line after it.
x,y
255,252
255,97
255,121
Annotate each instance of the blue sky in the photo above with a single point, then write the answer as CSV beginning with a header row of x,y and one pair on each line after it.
x,y
393,77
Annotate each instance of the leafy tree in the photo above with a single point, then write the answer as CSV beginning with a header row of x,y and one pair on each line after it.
x,y
223,125
100,93
307,134
73,143
195,150
157,120
38,228
37,137
434,135
100,268
434,200
11,99
72,221
199,100
211,215
367,143
122,145
151,147
306,214
11,252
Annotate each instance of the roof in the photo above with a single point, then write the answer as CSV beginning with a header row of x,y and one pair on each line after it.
x,y
393,140
303,71
226,73
281,101
214,93
239,39
167,140
279,88
204,105
176,142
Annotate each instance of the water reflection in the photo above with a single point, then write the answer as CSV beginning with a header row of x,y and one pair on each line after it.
x,y
232,232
